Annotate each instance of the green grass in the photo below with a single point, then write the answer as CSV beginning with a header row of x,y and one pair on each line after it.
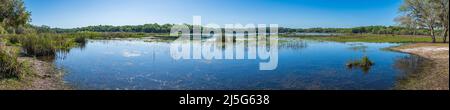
x,y
10,67
42,44
374,38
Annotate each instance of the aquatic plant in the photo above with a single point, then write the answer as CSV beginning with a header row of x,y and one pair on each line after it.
x,y
80,40
43,44
365,64
38,45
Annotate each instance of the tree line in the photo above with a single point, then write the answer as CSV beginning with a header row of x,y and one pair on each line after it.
x,y
165,28
398,30
146,28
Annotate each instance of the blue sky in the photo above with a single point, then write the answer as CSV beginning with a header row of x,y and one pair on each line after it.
x,y
286,13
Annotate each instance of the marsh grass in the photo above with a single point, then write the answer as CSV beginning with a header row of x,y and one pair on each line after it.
x,y
365,64
10,67
42,44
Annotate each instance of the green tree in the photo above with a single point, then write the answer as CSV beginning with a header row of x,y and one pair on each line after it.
x,y
13,14
429,14
442,7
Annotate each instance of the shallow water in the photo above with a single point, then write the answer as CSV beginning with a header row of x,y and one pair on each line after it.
x,y
303,65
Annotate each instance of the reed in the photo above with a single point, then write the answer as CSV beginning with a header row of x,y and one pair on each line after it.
x,y
10,67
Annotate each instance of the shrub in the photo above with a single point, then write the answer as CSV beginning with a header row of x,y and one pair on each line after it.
x,y
2,30
10,67
13,39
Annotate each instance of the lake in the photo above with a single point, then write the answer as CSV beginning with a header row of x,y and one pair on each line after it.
x,y
137,64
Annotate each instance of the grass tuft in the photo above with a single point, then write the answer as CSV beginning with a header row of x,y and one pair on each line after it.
x,y
10,67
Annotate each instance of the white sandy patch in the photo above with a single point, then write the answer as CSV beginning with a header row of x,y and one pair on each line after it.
x,y
427,49
432,52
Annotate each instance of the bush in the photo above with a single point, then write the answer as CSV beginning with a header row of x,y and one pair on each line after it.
x,y
10,67
2,30
13,39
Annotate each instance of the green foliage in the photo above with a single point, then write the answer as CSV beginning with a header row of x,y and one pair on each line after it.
x,y
10,67
43,44
361,30
372,38
365,64
104,35
2,30
146,28
80,40
430,14
37,46
13,14
13,40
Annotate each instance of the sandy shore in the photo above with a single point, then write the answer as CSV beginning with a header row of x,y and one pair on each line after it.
x,y
435,74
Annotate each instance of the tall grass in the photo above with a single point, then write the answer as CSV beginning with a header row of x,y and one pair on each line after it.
x,y
10,67
365,64
2,30
42,44
48,44
37,46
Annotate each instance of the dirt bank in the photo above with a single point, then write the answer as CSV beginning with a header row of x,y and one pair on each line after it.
x,y
41,76
46,77
435,74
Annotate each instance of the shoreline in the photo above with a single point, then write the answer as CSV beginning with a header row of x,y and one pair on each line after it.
x,y
435,74
42,76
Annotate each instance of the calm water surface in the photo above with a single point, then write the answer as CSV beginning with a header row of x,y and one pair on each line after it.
x,y
136,64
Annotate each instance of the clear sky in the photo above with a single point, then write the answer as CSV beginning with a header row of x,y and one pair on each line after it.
x,y
286,13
